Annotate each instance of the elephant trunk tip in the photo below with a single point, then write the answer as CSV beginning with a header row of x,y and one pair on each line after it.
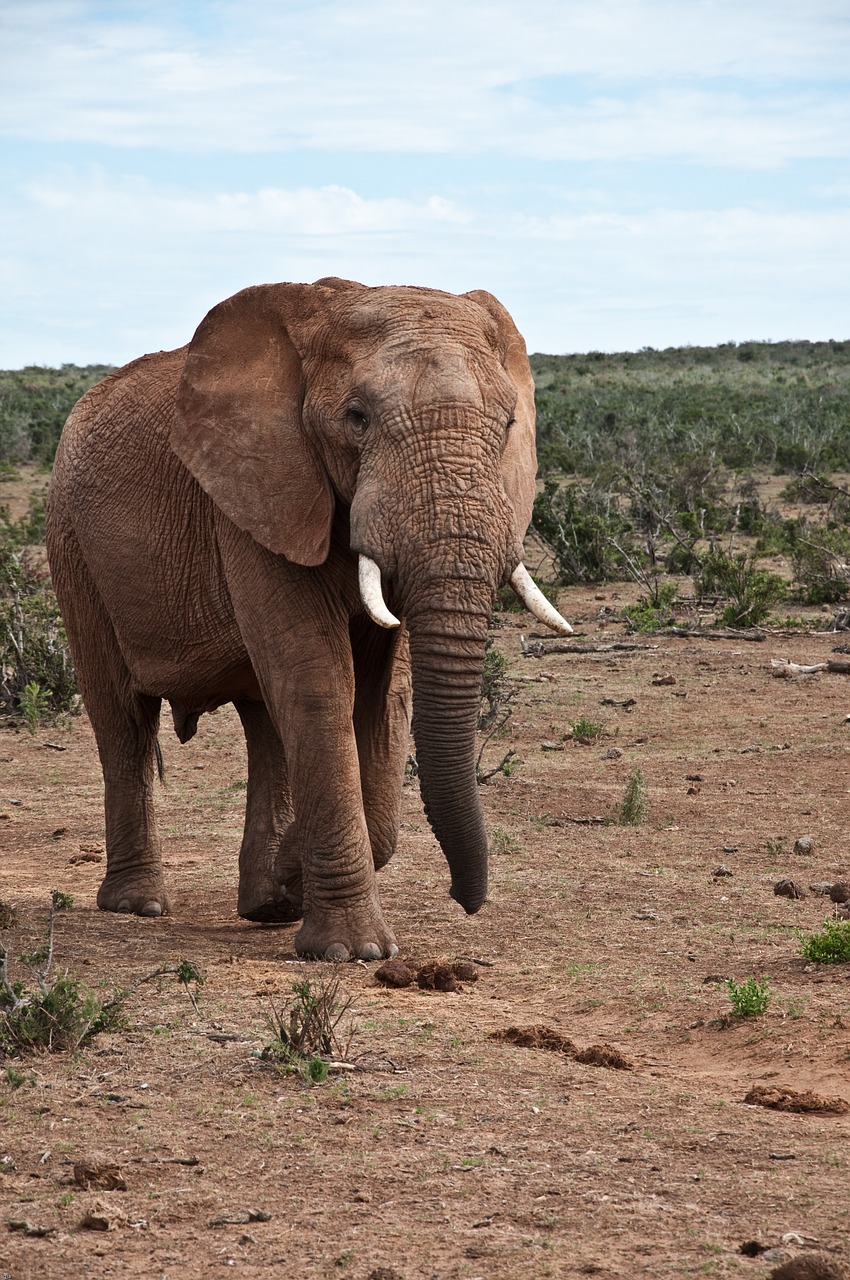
x,y
470,897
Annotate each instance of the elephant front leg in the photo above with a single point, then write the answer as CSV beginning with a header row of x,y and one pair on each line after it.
x,y
343,918
269,861
300,650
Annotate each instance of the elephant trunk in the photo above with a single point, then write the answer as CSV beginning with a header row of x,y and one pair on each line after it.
x,y
447,669
444,546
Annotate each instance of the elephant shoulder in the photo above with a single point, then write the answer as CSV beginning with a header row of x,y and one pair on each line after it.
x,y
137,397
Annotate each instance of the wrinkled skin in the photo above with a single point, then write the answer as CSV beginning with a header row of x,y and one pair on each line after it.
x,y
206,513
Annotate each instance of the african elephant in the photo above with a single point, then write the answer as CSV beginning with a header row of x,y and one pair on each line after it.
x,y
208,512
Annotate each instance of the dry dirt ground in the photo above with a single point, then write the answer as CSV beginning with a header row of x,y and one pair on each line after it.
x,y
450,1155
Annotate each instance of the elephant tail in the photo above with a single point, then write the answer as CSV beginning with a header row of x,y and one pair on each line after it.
x,y
160,763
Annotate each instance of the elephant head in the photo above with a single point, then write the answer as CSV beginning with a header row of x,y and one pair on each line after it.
x,y
415,410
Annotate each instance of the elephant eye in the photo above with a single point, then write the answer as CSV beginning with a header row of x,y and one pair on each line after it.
x,y
357,418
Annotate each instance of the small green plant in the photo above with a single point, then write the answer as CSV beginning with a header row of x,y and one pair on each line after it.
x,y
57,1014
35,705
776,847
652,615
15,1079
496,688
634,808
502,841
185,971
307,1030
750,998
751,592
36,676
831,945
587,731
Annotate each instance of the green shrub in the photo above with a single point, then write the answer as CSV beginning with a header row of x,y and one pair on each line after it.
x,y
751,592
37,680
58,1013
587,731
830,946
652,615
821,574
589,538
308,1030
750,998
634,808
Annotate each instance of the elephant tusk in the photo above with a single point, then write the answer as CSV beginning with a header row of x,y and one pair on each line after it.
x,y
535,601
372,595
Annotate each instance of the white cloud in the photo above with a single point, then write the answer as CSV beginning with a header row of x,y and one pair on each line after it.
x,y
99,269
96,263
640,77
132,205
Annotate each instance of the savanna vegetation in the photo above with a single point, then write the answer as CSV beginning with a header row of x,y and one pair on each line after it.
x,y
653,466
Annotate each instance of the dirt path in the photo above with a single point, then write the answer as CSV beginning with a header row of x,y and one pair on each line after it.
x,y
450,1154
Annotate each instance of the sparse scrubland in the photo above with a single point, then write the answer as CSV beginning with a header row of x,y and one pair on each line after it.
x,y
670,886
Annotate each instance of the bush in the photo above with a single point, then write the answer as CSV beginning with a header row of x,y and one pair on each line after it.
x,y
37,679
589,538
749,999
54,1015
652,615
751,592
821,575
830,946
634,809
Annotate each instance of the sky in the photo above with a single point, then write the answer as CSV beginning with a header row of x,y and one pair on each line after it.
x,y
620,173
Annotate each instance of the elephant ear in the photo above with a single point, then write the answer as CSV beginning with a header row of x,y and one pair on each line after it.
x,y
519,460
238,424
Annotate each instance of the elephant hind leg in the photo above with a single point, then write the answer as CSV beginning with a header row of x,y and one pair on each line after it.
x,y
269,863
125,725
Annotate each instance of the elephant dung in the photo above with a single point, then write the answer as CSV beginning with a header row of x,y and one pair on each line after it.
x,y
395,973
100,1216
437,976
98,1172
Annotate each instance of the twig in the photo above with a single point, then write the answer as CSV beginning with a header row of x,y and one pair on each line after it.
x,y
595,821
541,649
14,1000
783,669
485,777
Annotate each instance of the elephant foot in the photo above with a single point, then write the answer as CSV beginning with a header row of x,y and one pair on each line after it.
x,y
273,911
345,935
270,899
134,895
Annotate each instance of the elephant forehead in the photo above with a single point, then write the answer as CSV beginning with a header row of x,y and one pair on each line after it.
x,y
393,311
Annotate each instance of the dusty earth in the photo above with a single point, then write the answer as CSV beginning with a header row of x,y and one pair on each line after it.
x,y
444,1153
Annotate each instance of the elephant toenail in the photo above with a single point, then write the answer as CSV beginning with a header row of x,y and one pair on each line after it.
x,y
124,905
337,952
151,909
369,951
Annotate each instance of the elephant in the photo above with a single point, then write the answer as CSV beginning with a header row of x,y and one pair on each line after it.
x,y
306,511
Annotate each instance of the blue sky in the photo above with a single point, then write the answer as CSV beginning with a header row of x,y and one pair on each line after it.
x,y
621,173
